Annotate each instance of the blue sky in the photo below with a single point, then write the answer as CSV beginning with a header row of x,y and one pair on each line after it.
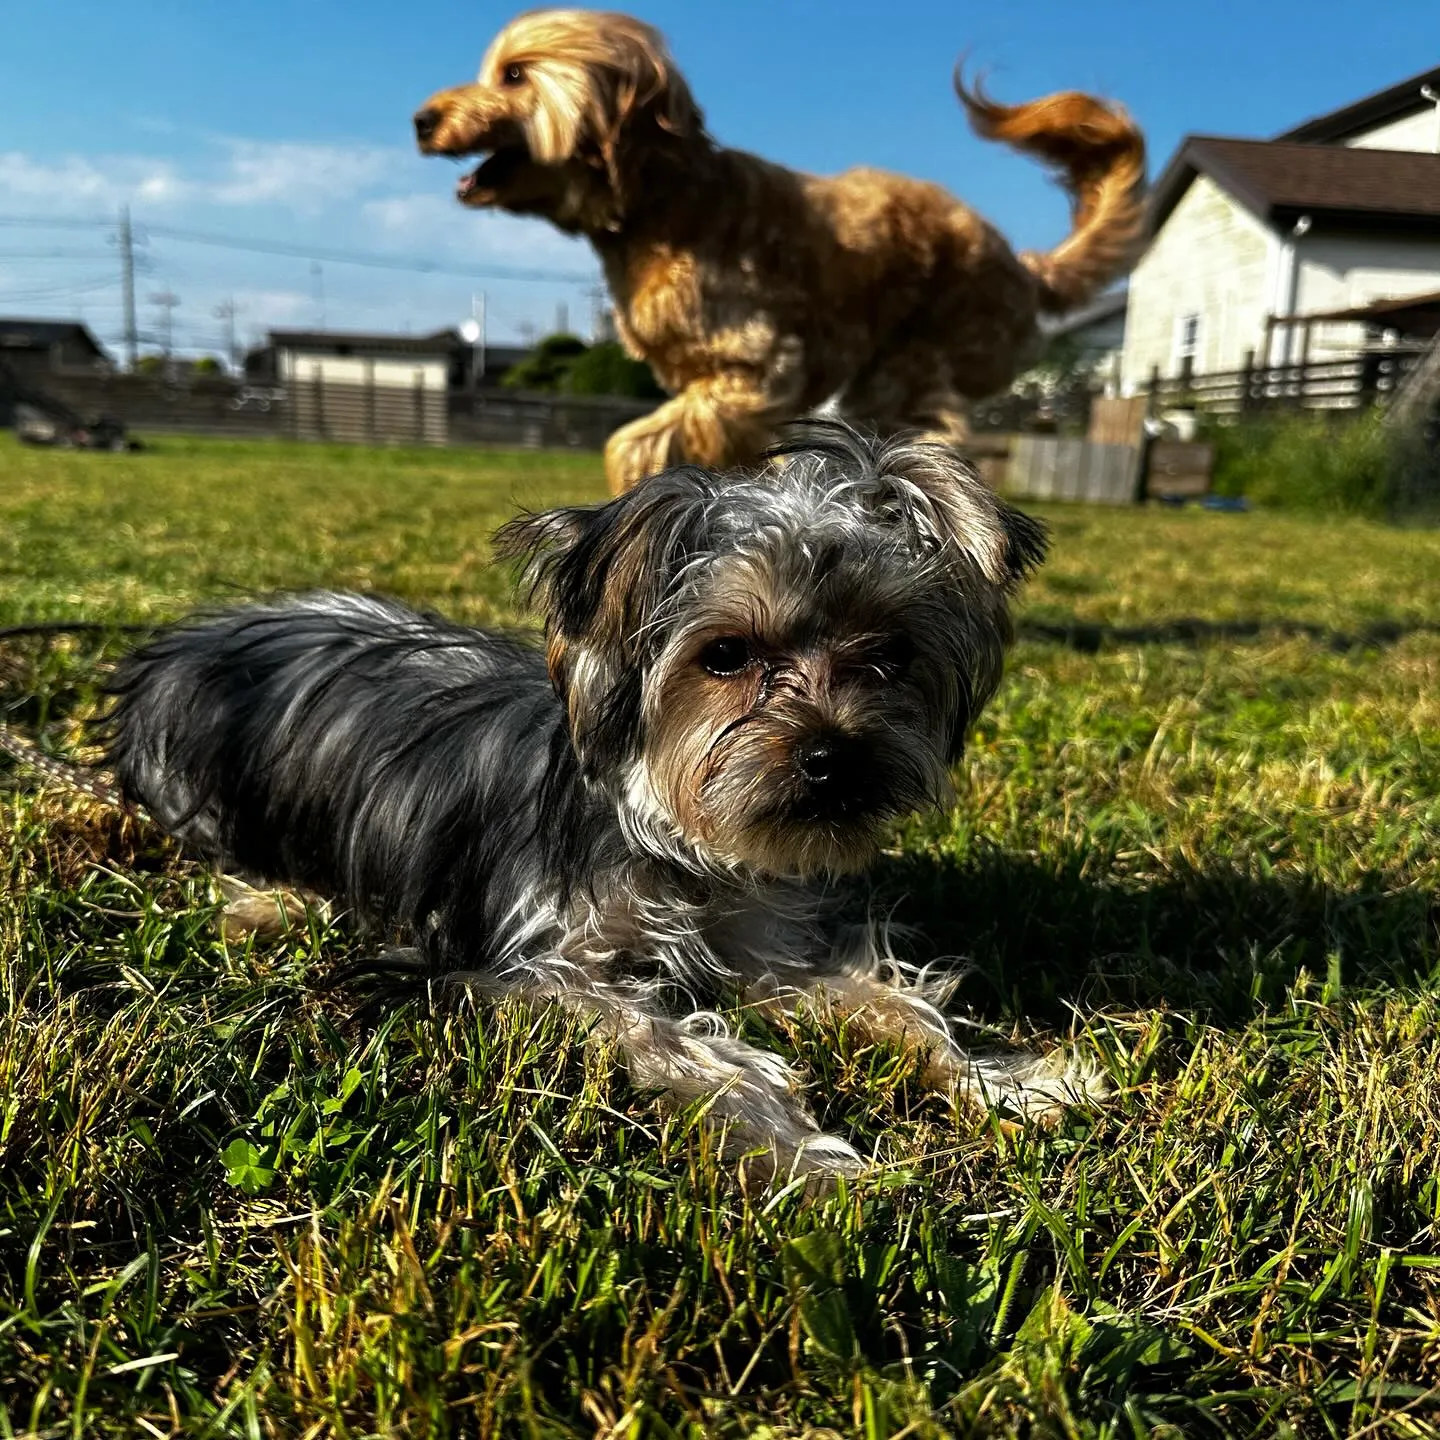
x,y
289,122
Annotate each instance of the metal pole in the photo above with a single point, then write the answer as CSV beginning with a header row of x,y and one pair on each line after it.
x,y
127,285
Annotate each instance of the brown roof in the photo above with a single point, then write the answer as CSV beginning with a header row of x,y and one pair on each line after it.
x,y
1281,180
441,342
1392,103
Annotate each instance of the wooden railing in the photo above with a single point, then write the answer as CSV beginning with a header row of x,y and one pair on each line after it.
x,y
1351,383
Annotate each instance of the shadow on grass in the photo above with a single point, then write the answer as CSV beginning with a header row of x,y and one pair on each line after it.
x,y
1089,639
1043,936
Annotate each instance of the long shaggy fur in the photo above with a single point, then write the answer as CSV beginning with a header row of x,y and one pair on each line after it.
x,y
745,677
757,293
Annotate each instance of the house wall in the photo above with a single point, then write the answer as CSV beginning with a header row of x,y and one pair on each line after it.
x,y
1339,271
1420,131
433,374
1213,258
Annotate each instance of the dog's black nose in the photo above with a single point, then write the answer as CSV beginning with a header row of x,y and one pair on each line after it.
x,y
427,121
823,759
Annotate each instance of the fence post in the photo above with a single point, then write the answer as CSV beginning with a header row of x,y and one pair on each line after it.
x,y
1247,381
1369,378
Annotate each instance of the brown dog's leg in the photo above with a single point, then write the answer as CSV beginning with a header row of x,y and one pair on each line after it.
x,y
912,392
719,422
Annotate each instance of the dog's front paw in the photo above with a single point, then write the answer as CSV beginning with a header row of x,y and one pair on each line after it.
x,y
1034,1087
260,915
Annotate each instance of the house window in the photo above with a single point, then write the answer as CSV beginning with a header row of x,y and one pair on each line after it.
x,y
1187,341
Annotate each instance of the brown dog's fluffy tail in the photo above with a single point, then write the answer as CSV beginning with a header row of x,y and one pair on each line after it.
x,y
1100,154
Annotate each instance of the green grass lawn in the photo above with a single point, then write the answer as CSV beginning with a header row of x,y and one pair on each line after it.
x,y
235,1202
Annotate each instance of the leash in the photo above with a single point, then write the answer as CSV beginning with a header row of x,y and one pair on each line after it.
x,y
85,779
27,752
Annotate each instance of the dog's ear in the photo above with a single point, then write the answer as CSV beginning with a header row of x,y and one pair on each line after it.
x,y
648,83
952,510
928,490
642,92
602,576
601,572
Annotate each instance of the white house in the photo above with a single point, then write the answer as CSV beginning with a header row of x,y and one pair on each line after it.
x,y
364,388
1291,248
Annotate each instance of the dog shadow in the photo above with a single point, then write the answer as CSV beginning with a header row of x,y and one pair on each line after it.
x,y
1090,639
1040,940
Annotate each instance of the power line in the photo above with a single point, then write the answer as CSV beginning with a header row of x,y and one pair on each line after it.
x,y
61,291
413,264
374,261
7,255
42,222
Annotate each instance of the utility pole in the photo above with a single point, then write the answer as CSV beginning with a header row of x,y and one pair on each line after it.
x,y
601,329
227,312
167,300
477,315
127,285
562,318
317,274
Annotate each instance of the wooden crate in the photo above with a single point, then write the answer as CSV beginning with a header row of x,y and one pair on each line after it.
x,y
1177,469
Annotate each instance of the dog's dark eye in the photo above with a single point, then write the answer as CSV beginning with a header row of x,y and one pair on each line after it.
x,y
513,75
890,656
728,655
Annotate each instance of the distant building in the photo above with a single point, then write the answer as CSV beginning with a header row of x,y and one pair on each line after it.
x,y
35,348
346,353
36,352
1294,247
1091,337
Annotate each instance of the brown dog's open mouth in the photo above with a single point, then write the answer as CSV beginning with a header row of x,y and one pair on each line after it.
x,y
487,178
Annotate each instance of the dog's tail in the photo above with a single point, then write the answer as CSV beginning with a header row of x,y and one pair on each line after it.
x,y
1100,154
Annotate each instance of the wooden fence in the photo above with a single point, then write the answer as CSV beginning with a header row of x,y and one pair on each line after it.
x,y
1059,467
368,413
355,413
1353,383
544,421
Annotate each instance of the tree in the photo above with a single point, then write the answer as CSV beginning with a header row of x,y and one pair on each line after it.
x,y
605,369
566,365
546,366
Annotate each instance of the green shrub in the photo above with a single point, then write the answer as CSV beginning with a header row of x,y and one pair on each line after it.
x,y
605,369
1312,462
546,366
565,364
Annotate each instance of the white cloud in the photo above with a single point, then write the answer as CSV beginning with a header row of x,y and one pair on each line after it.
x,y
71,183
303,176
441,225
361,197
250,172
262,308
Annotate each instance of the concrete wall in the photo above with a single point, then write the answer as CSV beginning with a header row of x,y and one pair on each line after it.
x,y
405,371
